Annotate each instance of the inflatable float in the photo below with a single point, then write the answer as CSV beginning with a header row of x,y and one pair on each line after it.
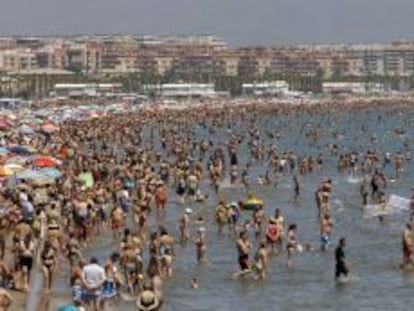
x,y
251,203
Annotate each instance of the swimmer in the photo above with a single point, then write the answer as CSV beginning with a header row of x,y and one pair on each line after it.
x,y
193,283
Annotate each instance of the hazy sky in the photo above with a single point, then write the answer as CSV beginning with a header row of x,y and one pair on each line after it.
x,y
240,22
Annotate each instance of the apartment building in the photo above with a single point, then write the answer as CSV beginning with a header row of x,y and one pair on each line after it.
x,y
163,64
117,55
7,43
409,62
52,56
226,64
192,67
17,59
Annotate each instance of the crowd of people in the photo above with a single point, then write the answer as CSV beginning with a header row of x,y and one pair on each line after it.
x,y
137,163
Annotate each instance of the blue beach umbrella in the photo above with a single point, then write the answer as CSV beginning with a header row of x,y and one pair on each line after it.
x,y
19,150
26,130
3,151
51,173
30,174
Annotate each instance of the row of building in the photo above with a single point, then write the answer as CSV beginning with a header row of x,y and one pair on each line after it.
x,y
204,56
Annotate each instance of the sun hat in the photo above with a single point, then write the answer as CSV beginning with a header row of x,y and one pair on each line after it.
x,y
147,301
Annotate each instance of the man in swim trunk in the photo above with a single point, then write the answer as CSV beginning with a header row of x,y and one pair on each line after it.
x,y
326,225
243,246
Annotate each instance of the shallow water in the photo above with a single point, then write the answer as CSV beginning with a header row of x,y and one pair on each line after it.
x,y
374,248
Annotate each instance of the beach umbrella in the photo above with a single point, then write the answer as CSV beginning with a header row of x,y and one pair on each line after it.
x,y
20,160
20,150
11,116
49,127
8,121
42,113
29,123
51,173
4,126
4,171
93,115
3,151
45,162
26,130
30,174
13,166
37,120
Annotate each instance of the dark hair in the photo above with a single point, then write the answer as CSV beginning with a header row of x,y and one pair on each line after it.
x,y
94,260
163,231
115,256
292,227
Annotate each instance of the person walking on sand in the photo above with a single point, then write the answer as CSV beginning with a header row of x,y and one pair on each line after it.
x,y
48,265
93,277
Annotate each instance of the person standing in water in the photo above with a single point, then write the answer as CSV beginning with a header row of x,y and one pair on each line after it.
x,y
200,243
341,264
280,221
292,244
259,219
183,226
243,247
261,258
296,187
326,225
407,242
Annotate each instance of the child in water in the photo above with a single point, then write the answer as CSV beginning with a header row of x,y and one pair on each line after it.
x,y
193,283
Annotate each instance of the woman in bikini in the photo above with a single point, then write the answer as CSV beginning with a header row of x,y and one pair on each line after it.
x,y
48,265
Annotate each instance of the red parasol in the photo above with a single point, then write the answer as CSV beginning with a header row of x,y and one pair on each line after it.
x,y
45,162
